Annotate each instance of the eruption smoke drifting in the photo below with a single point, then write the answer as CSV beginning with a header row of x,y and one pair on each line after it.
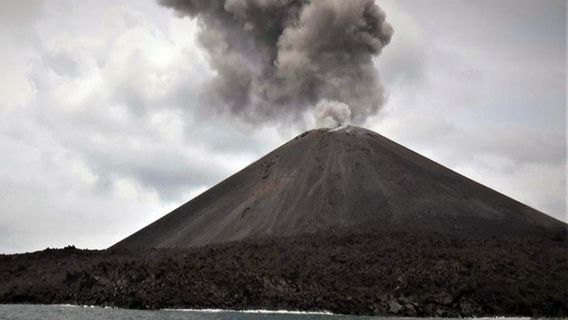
x,y
274,59
331,114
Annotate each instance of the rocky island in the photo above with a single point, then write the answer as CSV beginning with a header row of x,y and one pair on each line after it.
x,y
340,220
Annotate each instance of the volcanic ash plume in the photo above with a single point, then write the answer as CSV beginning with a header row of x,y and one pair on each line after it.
x,y
331,114
274,59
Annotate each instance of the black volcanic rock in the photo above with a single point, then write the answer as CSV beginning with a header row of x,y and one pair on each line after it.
x,y
373,272
328,180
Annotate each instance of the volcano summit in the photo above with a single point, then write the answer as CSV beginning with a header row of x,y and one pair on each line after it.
x,y
327,180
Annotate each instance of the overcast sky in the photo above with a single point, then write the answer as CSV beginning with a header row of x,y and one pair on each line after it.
x,y
102,132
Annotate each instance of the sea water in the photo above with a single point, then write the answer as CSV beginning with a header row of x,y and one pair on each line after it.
x,y
58,312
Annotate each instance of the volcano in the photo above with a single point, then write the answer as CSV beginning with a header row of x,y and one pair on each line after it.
x,y
330,180
339,220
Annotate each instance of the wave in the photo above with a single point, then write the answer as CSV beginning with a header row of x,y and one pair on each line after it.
x,y
323,312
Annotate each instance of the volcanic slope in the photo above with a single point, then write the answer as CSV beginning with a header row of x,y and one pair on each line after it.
x,y
332,180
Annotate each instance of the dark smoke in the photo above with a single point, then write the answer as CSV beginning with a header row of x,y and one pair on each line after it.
x,y
274,59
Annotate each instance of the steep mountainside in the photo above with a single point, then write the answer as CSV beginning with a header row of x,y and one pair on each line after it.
x,y
327,180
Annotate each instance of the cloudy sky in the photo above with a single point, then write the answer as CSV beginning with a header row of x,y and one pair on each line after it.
x,y
102,130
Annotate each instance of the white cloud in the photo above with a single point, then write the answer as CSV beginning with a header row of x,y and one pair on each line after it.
x,y
106,138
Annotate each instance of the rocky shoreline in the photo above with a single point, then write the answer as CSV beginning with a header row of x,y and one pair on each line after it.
x,y
366,273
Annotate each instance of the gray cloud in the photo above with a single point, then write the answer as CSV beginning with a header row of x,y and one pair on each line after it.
x,y
101,131
107,133
19,18
275,59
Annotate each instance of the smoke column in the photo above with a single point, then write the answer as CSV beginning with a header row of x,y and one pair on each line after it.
x,y
331,114
275,59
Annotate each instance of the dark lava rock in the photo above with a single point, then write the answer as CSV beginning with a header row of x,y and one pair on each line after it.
x,y
380,272
394,307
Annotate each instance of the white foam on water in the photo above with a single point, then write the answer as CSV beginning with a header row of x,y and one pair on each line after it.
x,y
67,305
260,311
212,310
83,306
254,311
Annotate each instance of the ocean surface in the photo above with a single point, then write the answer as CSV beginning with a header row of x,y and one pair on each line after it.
x,y
56,312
